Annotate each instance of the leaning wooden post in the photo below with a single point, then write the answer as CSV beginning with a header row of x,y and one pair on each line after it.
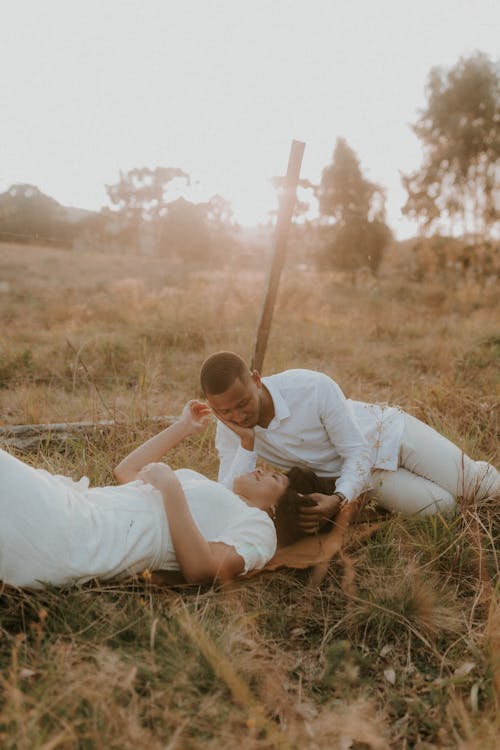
x,y
287,204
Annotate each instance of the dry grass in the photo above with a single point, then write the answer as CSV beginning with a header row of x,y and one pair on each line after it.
x,y
399,648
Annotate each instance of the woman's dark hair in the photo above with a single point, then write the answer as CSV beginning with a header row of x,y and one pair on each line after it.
x,y
302,482
306,481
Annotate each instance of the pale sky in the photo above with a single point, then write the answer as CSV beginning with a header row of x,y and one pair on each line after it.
x,y
220,88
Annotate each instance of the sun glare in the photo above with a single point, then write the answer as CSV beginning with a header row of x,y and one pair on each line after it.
x,y
220,89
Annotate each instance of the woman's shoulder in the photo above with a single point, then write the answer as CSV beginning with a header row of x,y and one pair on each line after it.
x,y
200,486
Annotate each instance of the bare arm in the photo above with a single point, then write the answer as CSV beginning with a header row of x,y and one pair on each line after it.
x,y
198,559
194,418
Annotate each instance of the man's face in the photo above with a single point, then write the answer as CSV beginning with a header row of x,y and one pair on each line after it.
x,y
241,403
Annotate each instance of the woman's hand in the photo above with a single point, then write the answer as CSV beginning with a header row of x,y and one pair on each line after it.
x,y
159,475
196,416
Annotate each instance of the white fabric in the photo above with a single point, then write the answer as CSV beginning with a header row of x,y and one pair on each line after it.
x,y
54,530
315,426
434,473
222,516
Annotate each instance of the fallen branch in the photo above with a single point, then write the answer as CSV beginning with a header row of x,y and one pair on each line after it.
x,y
29,436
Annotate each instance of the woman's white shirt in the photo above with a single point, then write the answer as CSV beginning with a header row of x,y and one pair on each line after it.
x,y
224,517
58,531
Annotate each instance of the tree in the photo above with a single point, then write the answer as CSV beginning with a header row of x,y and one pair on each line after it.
x,y
344,193
219,213
150,216
182,231
222,227
144,192
352,211
139,198
27,214
460,135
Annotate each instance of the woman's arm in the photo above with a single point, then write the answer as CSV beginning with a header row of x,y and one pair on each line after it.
x,y
198,559
194,418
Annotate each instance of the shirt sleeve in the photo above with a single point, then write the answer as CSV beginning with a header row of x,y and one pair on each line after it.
x,y
234,460
338,419
253,537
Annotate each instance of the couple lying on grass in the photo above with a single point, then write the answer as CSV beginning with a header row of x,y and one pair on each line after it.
x,y
56,531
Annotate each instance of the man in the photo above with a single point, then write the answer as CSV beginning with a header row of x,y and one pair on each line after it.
x,y
302,418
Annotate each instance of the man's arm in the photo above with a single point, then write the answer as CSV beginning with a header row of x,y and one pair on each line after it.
x,y
235,459
317,510
336,415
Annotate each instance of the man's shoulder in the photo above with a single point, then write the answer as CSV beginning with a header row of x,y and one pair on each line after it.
x,y
296,378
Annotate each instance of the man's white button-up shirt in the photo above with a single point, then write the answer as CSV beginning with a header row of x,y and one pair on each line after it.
x,y
316,427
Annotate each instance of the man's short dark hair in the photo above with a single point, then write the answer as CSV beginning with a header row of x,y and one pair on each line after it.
x,y
220,370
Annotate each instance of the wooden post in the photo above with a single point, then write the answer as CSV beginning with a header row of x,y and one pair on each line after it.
x,y
287,204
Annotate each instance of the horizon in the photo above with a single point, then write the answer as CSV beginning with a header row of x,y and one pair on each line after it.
x,y
220,90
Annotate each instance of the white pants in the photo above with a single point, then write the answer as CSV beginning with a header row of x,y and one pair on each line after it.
x,y
433,475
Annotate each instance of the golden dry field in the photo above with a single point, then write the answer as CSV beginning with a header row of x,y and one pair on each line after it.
x,y
399,648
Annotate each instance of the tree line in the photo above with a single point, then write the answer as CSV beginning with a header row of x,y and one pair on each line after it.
x,y
143,218
456,190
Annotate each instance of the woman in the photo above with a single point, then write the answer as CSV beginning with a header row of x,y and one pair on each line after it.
x,y
56,531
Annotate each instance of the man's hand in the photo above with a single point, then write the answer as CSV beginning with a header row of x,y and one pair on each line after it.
x,y
316,510
196,416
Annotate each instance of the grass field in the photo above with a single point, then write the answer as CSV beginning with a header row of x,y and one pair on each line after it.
x,y
399,648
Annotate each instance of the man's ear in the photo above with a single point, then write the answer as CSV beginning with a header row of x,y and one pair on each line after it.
x,y
256,378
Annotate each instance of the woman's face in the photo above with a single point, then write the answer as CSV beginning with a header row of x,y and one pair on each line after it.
x,y
262,488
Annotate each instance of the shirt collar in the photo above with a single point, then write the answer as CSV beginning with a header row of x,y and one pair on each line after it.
x,y
281,408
